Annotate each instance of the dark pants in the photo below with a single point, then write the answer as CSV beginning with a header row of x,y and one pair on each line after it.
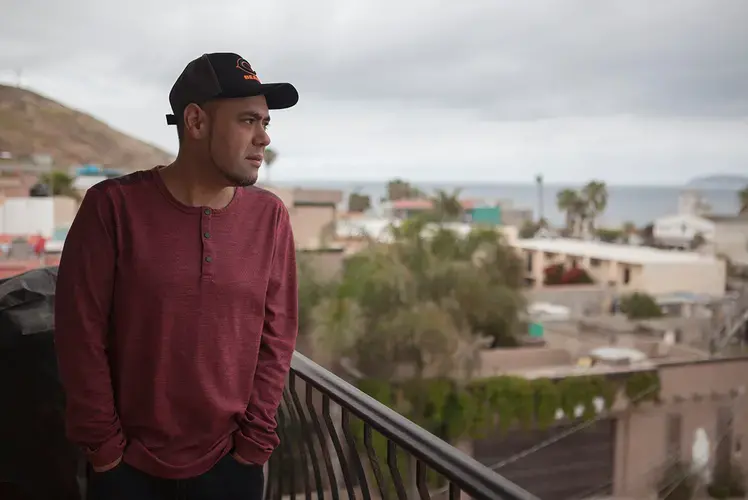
x,y
227,480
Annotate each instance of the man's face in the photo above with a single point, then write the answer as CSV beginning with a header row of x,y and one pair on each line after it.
x,y
238,137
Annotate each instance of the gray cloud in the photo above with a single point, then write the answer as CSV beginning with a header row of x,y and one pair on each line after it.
x,y
505,60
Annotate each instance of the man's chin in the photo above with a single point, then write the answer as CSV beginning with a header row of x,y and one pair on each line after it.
x,y
241,181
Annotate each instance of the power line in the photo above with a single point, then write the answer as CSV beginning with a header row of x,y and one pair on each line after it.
x,y
558,437
670,459
567,433
677,482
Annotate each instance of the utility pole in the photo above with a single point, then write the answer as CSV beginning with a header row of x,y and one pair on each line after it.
x,y
539,183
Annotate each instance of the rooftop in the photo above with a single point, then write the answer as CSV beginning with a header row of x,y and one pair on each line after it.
x,y
611,251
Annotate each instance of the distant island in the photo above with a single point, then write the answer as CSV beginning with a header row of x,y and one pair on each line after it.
x,y
727,182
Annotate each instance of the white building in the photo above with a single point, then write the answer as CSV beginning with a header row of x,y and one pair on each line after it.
x,y
679,230
723,234
627,268
31,216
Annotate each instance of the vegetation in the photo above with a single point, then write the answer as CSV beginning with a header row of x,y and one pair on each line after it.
x,y
447,206
270,158
582,208
358,202
55,183
557,274
422,305
398,189
697,241
743,200
530,228
609,235
640,306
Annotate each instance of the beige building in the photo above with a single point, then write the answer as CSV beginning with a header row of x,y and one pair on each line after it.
x,y
627,268
313,214
701,418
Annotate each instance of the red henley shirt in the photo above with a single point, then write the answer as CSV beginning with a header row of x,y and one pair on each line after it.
x,y
175,326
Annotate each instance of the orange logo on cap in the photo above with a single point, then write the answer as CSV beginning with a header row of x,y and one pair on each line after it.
x,y
243,65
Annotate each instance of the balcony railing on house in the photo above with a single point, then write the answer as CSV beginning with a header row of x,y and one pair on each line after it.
x,y
338,443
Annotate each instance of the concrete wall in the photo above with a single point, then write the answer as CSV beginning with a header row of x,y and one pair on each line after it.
x,y
731,239
309,222
580,299
30,216
697,277
498,361
642,433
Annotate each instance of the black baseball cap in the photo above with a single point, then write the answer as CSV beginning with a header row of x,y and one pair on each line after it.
x,y
224,75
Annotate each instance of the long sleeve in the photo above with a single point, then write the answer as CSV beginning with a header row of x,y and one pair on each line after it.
x,y
82,309
257,438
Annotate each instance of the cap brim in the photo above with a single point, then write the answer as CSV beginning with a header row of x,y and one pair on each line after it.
x,y
279,95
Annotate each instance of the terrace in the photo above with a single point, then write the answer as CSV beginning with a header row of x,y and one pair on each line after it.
x,y
336,441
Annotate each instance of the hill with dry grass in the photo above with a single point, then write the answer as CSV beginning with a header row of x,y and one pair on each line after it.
x,y
33,124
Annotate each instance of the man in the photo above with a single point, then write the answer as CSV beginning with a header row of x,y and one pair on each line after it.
x,y
176,303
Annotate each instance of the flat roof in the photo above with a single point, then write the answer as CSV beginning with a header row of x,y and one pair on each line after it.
x,y
631,254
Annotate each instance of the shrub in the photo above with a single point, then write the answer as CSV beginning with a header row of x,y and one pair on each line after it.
x,y
640,306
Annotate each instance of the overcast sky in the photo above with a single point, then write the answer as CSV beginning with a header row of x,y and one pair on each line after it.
x,y
629,91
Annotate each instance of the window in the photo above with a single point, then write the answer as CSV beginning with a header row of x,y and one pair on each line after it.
x,y
673,436
626,275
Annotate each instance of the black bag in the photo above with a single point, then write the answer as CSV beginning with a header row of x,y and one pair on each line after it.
x,y
37,462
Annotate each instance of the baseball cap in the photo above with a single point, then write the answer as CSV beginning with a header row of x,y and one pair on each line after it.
x,y
224,75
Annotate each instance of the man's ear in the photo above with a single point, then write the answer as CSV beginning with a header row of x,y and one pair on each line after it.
x,y
195,122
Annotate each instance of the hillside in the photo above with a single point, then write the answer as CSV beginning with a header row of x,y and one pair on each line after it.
x,y
719,181
30,123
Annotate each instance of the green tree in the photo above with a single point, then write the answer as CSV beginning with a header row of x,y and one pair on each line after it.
x,y
270,158
358,202
398,189
447,206
422,305
743,200
697,241
595,197
572,205
640,306
58,183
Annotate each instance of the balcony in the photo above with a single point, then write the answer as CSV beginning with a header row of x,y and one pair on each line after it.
x,y
336,441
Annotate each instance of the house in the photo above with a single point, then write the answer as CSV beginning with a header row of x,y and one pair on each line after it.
x,y
626,268
723,234
731,236
698,419
678,231
313,213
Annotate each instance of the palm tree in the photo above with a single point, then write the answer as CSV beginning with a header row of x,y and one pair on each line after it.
x,y
270,157
447,207
743,198
595,195
569,202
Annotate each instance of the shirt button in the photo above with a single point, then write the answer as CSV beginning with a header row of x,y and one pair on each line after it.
x,y
207,235
207,211
208,258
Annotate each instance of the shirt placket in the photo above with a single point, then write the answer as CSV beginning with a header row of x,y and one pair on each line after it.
x,y
208,255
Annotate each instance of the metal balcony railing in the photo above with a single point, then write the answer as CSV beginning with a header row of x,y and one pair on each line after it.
x,y
338,443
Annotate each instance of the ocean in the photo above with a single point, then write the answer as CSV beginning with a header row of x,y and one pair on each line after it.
x,y
637,204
